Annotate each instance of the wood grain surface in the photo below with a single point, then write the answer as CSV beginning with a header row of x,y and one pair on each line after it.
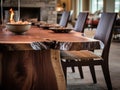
x,y
32,70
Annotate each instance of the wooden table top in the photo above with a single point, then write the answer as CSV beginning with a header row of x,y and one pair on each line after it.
x,y
36,34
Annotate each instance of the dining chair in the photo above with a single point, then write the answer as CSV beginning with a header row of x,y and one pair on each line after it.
x,y
70,17
81,21
89,58
64,18
71,13
79,27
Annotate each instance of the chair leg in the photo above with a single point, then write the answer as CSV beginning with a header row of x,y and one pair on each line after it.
x,y
64,70
106,73
73,69
92,70
80,71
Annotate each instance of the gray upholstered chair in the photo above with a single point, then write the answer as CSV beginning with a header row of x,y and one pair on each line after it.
x,y
88,58
81,21
79,27
64,18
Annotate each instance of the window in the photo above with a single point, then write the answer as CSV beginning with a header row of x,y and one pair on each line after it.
x,y
96,5
79,6
117,5
76,7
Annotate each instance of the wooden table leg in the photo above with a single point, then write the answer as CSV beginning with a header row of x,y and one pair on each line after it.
x,y
32,70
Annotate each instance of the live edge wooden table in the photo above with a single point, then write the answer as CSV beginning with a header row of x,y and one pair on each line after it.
x,y
23,67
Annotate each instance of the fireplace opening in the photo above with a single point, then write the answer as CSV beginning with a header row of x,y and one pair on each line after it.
x,y
25,13
30,13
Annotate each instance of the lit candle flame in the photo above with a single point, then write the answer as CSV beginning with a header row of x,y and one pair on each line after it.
x,y
11,15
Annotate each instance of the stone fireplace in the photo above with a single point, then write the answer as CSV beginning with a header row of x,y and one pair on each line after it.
x,y
25,14
44,10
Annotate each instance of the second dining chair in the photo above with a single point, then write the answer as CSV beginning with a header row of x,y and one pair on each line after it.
x,y
80,27
81,21
64,19
88,58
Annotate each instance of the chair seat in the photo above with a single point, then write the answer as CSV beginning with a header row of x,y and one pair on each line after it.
x,y
83,54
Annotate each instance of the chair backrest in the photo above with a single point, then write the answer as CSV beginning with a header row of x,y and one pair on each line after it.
x,y
104,31
70,17
81,21
64,18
